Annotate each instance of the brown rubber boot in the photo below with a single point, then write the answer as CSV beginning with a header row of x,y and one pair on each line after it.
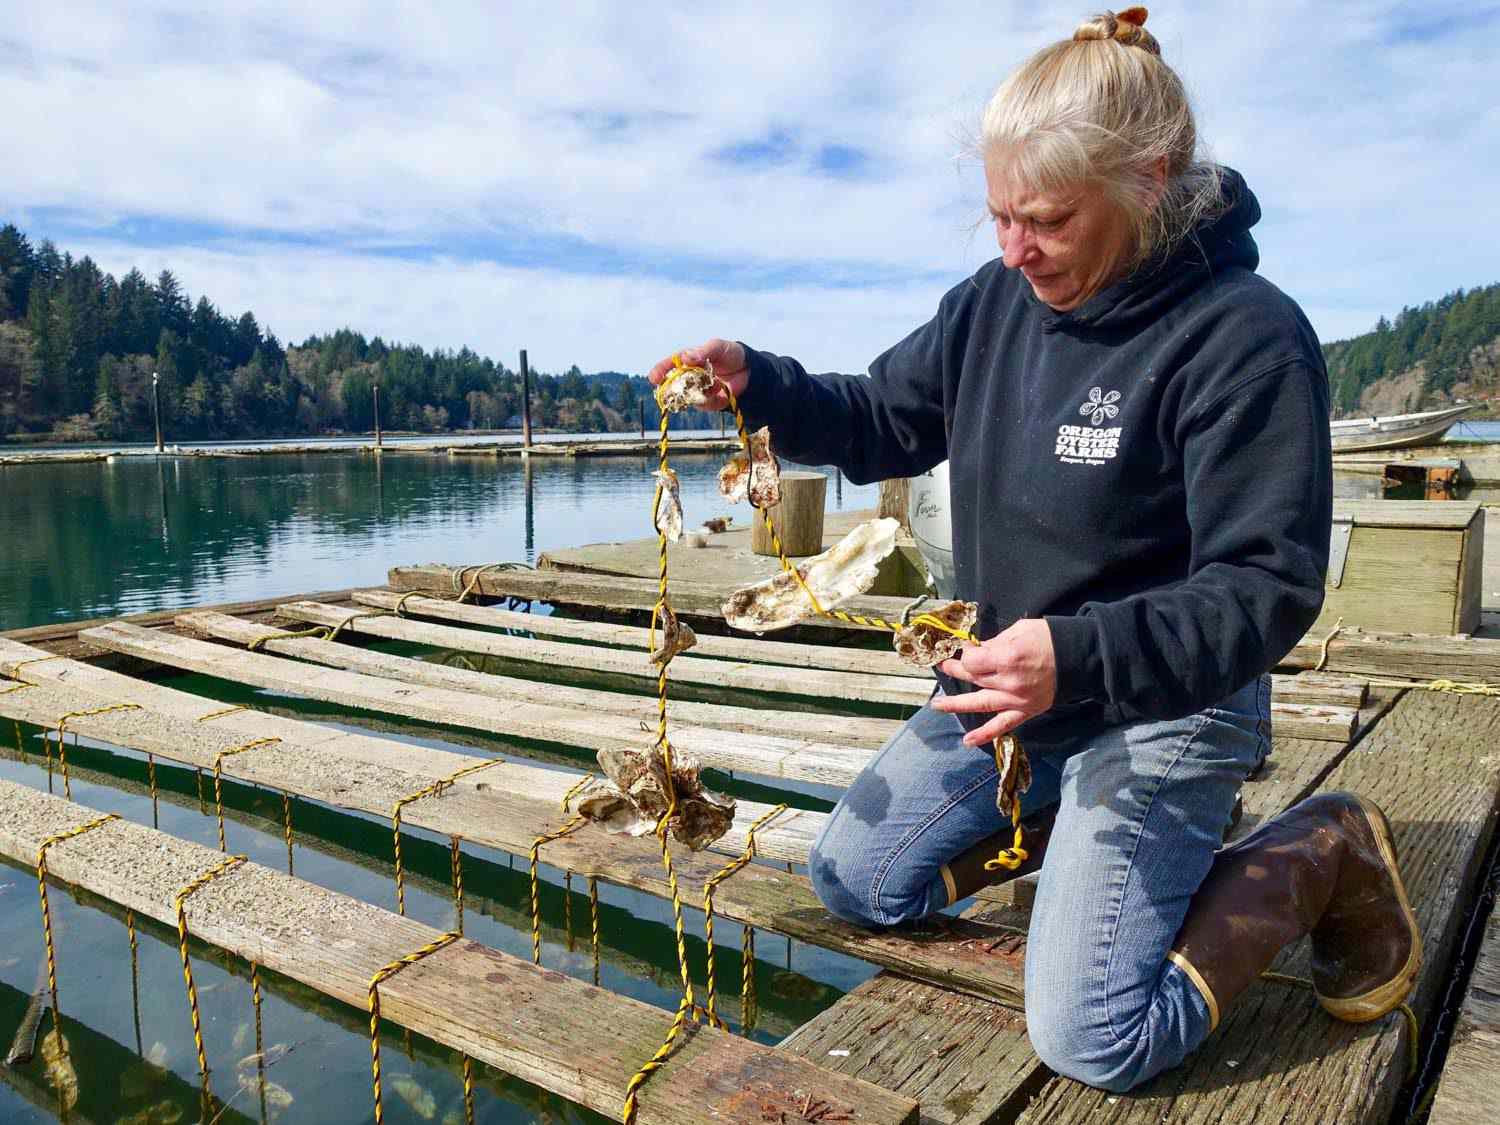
x,y
1325,867
967,874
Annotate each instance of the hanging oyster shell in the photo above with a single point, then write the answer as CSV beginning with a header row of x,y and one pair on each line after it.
x,y
668,513
756,476
1015,772
684,388
675,635
632,797
922,643
734,478
839,573
57,1058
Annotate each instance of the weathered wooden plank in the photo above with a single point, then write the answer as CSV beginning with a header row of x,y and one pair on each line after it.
x,y
743,675
1400,655
788,757
558,1033
1431,765
760,650
1469,1090
1309,687
963,1058
689,599
786,838
838,730
495,809
773,1013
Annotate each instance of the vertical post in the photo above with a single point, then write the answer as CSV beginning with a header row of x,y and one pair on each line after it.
x,y
375,390
156,407
641,406
525,402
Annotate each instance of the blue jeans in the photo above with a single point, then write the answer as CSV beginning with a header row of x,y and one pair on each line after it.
x,y
1142,808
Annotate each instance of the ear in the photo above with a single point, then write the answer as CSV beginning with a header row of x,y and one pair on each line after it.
x,y
1156,181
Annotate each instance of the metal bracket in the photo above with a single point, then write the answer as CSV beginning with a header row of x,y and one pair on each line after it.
x,y
1338,549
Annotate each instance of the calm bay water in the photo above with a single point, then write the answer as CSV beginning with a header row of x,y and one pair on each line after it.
x,y
86,540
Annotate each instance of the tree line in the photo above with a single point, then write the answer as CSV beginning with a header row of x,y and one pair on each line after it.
x,y
1443,336
78,350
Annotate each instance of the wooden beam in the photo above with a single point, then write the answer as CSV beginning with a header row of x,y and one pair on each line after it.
x,y
838,730
1469,1090
1400,655
689,599
1430,764
558,1033
494,808
774,1011
788,757
787,838
819,683
761,650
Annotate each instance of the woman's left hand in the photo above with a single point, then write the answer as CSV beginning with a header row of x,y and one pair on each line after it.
x,y
1014,674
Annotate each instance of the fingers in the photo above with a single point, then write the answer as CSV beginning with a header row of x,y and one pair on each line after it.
x,y
1003,723
971,702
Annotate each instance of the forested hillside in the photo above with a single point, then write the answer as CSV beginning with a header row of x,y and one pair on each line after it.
x,y
78,348
1428,357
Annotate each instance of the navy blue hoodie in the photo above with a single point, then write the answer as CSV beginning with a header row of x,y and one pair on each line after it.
x,y
1149,472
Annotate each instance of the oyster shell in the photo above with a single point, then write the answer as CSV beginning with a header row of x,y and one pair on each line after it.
x,y
1015,772
668,514
675,635
924,644
844,570
756,476
717,524
632,797
685,387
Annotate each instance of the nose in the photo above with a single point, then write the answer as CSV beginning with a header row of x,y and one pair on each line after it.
x,y
1017,244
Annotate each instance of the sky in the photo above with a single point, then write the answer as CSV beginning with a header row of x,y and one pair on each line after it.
x,y
602,183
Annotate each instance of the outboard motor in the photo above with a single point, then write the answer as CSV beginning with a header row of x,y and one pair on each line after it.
x,y
932,527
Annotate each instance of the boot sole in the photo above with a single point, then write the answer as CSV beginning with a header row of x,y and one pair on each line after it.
x,y
1387,997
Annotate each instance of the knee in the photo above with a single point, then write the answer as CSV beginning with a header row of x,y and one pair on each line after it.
x,y
1088,1050
861,889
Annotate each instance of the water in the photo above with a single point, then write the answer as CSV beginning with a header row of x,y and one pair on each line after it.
x,y
138,534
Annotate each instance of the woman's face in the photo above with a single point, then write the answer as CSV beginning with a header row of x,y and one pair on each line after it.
x,y
1068,244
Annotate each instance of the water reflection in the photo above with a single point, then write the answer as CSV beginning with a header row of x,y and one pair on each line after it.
x,y
94,539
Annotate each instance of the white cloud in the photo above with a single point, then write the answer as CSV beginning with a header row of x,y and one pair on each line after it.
x,y
1369,134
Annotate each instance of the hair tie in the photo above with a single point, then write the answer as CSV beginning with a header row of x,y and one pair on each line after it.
x,y
1136,17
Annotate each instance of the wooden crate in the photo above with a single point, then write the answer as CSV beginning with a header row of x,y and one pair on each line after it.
x,y
1411,566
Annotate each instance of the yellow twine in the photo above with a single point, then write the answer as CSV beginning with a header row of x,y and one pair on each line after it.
x,y
708,908
433,790
41,886
594,923
373,998
536,909
187,965
62,723
220,713
219,778
256,643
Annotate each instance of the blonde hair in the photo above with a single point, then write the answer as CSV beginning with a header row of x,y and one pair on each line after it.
x,y
1104,108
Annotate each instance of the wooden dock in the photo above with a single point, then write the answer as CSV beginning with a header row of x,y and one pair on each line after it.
x,y
937,1036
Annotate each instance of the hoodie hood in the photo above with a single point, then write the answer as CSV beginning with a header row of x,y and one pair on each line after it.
x,y
1220,242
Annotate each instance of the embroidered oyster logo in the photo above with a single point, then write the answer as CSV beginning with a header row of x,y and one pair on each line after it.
x,y
1100,406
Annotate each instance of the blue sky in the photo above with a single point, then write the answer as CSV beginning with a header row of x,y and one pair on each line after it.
x,y
601,183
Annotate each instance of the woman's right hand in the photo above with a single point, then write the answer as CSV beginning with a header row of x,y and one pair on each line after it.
x,y
727,361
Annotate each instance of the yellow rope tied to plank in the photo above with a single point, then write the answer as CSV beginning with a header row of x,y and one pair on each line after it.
x,y
594,923
708,911
17,687
41,886
536,908
219,778
220,713
433,790
381,975
62,723
260,1046
255,643
187,965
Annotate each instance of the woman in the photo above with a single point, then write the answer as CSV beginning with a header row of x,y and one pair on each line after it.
x,y
1136,426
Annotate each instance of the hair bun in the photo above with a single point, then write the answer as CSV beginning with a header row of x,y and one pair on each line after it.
x,y
1127,27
